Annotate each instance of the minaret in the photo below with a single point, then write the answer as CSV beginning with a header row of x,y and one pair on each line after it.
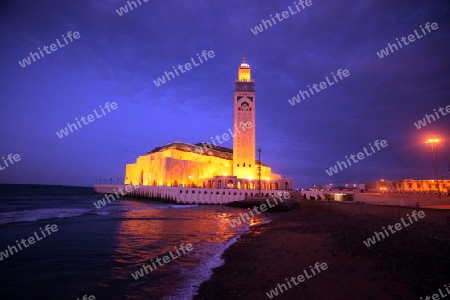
x,y
244,164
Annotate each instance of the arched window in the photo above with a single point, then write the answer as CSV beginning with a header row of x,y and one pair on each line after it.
x,y
230,184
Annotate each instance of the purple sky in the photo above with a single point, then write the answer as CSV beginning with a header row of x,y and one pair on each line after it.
x,y
117,58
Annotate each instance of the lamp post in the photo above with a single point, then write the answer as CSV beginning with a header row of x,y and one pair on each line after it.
x,y
432,142
259,172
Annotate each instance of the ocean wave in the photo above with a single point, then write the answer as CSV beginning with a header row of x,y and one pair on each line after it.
x,y
102,213
40,214
184,206
211,258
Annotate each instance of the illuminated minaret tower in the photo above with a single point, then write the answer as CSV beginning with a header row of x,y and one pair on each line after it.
x,y
244,164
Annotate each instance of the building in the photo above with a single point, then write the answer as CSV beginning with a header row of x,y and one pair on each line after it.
x,y
410,186
211,166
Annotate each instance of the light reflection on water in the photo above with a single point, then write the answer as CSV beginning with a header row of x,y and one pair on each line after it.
x,y
95,251
148,231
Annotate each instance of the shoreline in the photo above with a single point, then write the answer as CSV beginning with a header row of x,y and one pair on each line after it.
x,y
411,264
216,260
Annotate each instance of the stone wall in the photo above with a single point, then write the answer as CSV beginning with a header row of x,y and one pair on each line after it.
x,y
183,195
401,199
396,199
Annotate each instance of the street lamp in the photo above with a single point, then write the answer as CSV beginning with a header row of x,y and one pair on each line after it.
x,y
432,142
259,173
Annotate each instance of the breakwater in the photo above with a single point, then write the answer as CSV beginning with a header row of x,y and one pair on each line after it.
x,y
183,195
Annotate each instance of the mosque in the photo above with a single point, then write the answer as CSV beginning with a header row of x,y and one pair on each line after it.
x,y
207,165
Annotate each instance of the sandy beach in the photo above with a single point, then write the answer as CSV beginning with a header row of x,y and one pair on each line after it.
x,y
409,264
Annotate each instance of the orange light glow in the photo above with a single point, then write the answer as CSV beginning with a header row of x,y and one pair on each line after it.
x,y
244,72
432,141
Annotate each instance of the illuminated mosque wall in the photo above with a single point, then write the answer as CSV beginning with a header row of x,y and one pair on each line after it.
x,y
211,166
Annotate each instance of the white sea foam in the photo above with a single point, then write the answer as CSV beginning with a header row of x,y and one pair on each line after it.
x,y
40,214
184,206
204,271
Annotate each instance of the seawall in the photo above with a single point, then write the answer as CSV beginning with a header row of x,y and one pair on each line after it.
x,y
183,195
399,199
395,199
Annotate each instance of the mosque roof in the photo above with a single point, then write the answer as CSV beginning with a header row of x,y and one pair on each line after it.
x,y
212,150
217,151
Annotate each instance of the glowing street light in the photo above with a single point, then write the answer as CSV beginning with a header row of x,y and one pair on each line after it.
x,y
259,173
432,142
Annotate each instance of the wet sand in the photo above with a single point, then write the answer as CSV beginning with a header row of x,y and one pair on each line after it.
x,y
409,264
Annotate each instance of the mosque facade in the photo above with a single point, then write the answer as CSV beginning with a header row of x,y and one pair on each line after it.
x,y
207,165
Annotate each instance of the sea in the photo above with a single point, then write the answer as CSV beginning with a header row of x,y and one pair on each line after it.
x,y
94,252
